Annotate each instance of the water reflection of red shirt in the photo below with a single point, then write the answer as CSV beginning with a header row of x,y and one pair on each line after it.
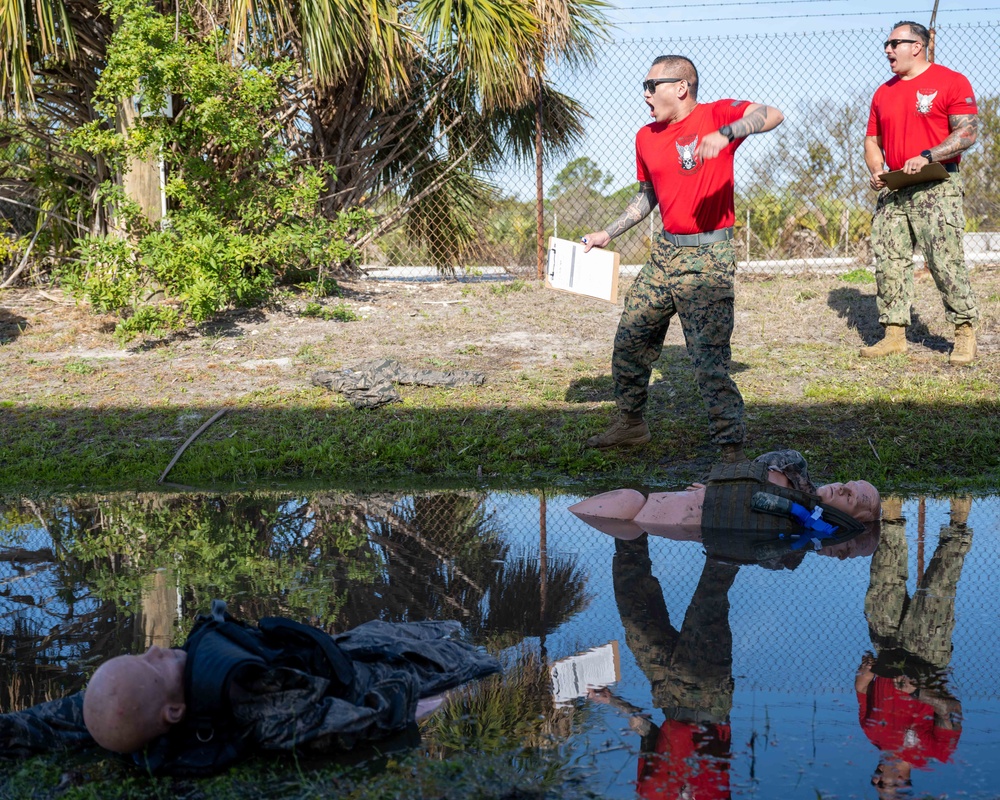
x,y
899,723
691,760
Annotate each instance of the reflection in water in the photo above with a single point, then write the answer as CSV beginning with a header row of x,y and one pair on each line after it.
x,y
689,670
907,709
92,578
753,687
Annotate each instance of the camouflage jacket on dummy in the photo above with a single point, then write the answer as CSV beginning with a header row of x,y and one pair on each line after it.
x,y
279,685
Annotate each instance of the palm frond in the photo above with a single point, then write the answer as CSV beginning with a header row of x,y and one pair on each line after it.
x,y
29,31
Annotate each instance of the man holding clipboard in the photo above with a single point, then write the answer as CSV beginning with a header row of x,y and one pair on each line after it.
x,y
684,163
921,121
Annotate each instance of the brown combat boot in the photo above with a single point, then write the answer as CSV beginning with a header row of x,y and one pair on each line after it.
x,y
960,508
628,431
894,341
892,508
965,346
733,453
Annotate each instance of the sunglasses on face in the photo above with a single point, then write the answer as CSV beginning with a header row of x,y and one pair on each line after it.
x,y
651,84
892,44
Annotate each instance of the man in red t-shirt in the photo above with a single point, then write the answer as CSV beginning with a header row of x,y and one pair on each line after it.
x,y
684,162
911,726
926,113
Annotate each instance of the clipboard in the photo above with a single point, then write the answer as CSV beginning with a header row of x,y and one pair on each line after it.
x,y
897,179
593,274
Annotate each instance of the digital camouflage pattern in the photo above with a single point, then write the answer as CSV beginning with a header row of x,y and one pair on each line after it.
x,y
929,215
792,464
921,624
696,284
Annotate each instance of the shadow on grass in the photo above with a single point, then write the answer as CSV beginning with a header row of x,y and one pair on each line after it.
x,y
894,443
11,326
861,313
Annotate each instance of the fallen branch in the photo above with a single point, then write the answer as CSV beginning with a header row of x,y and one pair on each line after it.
x,y
191,438
20,267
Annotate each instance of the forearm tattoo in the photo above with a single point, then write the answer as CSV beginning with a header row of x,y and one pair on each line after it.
x,y
636,211
964,130
752,123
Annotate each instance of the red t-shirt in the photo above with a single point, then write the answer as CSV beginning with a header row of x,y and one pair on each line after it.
x,y
896,722
694,196
912,116
691,760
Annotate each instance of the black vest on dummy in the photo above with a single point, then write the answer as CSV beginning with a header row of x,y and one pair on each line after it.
x,y
733,529
218,649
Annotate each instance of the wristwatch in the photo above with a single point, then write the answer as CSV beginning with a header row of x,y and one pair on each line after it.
x,y
927,154
727,131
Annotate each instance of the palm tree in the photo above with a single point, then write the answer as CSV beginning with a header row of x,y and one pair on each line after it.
x,y
30,33
570,30
410,101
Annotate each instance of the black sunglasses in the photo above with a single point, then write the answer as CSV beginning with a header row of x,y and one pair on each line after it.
x,y
652,83
892,44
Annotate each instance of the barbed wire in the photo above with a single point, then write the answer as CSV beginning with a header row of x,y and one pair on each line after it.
x,y
797,16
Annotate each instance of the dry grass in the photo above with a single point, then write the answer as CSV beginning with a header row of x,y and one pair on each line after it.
x,y
794,349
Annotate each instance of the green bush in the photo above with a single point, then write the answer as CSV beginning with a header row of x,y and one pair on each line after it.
x,y
243,215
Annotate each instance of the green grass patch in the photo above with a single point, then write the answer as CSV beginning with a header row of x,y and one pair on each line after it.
x,y
79,367
339,313
858,276
508,287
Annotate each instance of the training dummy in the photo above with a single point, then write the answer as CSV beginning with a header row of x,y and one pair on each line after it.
x,y
771,498
233,689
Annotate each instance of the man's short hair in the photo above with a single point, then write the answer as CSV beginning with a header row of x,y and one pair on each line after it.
x,y
916,29
684,68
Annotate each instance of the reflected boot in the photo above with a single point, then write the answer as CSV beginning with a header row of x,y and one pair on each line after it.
x,y
733,453
965,346
960,508
892,508
894,341
628,431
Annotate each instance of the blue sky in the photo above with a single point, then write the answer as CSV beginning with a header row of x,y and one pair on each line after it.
x,y
657,19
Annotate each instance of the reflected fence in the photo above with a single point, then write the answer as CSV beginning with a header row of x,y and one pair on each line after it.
x,y
802,198
89,578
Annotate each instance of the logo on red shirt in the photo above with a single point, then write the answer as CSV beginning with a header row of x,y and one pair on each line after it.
x,y
686,145
925,100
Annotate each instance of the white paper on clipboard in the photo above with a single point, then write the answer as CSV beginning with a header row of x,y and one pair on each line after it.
x,y
594,274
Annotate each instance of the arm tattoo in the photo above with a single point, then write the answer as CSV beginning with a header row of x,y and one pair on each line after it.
x,y
964,130
751,123
636,211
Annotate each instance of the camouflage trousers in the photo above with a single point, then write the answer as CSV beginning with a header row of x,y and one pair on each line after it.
x,y
690,670
929,215
696,284
924,623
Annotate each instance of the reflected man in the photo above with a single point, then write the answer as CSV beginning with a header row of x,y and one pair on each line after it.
x,y
690,672
905,705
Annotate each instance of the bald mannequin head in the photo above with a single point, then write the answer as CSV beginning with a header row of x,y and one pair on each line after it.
x,y
131,700
858,498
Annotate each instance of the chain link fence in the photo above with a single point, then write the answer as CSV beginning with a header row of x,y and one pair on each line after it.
x,y
802,196
87,579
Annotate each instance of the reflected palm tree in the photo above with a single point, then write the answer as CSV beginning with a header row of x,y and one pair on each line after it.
x,y
333,560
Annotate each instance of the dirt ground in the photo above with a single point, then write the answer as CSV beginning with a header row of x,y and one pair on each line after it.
x,y
55,352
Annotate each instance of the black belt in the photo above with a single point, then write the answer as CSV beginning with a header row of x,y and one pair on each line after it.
x,y
950,167
696,239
